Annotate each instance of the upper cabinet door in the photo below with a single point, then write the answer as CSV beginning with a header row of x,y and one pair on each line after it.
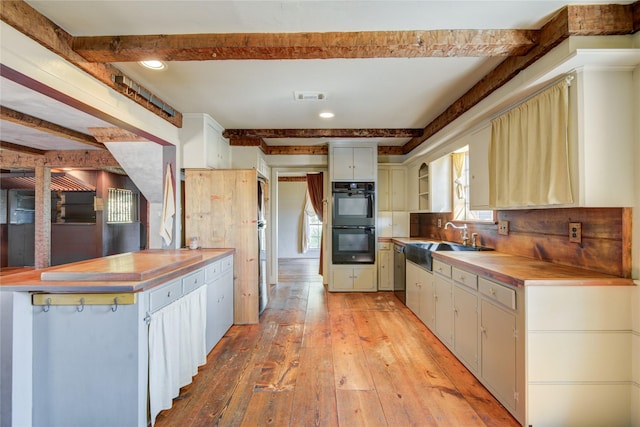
x,y
342,163
353,163
398,189
479,170
364,163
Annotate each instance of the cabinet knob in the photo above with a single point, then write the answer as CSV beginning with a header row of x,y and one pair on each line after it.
x,y
493,291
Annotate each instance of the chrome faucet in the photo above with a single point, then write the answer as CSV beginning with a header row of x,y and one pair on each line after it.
x,y
463,227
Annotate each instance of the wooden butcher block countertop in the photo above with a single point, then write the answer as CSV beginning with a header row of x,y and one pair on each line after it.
x,y
520,271
129,272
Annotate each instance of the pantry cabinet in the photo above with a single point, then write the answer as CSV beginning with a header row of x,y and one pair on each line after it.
x,y
351,163
392,189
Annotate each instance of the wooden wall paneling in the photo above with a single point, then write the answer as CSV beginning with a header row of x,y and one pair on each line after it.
x,y
544,234
221,210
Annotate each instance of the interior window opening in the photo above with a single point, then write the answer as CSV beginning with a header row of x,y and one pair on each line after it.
x,y
461,207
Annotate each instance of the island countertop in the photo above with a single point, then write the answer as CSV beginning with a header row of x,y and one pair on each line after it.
x,y
128,272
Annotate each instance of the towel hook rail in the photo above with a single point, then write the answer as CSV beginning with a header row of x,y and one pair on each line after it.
x,y
80,308
115,305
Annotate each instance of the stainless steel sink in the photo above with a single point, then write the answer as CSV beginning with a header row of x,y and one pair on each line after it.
x,y
420,253
450,246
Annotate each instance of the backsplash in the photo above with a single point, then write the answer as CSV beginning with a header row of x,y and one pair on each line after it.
x,y
544,234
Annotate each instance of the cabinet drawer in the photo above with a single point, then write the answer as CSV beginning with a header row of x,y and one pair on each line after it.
x,y
465,278
165,295
193,281
499,293
212,270
384,246
441,268
227,263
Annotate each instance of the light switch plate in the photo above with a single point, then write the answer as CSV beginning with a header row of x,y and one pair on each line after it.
x,y
575,232
503,227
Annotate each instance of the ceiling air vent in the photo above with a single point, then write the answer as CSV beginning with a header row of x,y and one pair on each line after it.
x,y
309,96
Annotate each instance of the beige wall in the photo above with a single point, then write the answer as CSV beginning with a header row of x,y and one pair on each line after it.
x,y
291,199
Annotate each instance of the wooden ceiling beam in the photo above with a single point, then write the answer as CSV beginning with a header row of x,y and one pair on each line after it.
x,y
277,46
4,145
573,20
322,133
41,125
312,150
89,159
39,28
115,134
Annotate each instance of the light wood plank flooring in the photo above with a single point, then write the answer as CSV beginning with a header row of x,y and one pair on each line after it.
x,y
332,359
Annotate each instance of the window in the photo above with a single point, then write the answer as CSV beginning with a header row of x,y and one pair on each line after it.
x,y
461,209
315,232
123,206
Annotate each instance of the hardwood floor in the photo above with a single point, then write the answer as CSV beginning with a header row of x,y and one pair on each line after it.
x,y
332,359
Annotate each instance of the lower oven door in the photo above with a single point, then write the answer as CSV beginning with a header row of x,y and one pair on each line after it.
x,y
354,245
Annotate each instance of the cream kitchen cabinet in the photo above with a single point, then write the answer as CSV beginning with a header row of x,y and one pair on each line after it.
x,y
350,163
429,185
479,169
203,145
349,277
392,188
219,279
250,158
385,266
420,293
393,224
443,302
465,317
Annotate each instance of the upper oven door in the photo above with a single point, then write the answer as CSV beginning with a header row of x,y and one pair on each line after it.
x,y
354,208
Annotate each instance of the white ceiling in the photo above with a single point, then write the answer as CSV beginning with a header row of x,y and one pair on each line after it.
x,y
363,93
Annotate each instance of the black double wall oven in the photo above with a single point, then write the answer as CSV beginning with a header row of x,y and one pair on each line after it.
x,y
353,220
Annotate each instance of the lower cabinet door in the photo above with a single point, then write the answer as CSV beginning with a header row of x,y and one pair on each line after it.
x,y
465,326
364,278
444,310
498,343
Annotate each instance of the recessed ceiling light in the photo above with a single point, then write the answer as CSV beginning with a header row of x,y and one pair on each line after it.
x,y
327,115
154,64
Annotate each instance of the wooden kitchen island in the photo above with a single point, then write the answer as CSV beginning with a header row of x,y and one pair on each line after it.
x,y
79,345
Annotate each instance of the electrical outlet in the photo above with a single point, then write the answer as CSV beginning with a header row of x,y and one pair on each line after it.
x,y
575,232
503,227
439,222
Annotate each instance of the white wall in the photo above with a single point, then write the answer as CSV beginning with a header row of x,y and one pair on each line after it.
x,y
291,199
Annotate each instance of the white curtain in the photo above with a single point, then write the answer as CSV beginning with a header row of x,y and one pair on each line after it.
x,y
307,213
176,348
529,155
